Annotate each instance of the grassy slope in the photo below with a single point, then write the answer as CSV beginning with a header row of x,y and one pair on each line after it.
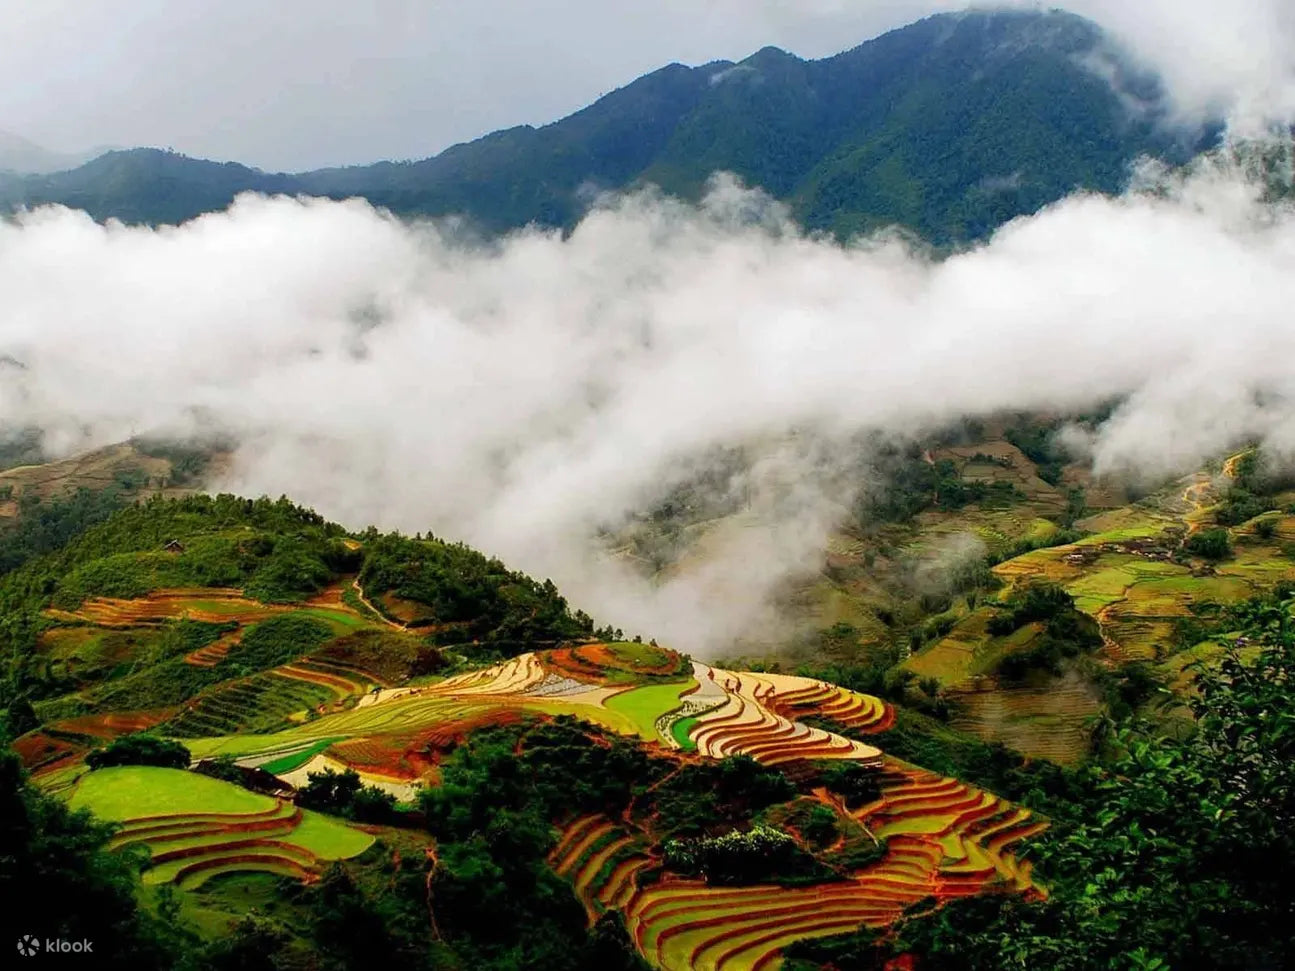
x,y
131,791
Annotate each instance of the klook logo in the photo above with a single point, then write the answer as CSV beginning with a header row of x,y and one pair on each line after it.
x,y
30,946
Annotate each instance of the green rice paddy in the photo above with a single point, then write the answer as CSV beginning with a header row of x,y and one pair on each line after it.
x,y
643,706
131,791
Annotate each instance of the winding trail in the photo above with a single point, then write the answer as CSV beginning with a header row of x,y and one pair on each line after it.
x,y
359,592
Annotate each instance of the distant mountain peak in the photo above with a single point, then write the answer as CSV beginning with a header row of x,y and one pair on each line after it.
x,y
22,155
949,126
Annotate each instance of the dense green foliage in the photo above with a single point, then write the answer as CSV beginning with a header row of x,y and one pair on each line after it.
x,y
44,526
498,902
760,854
470,597
1067,632
1256,482
1175,854
915,484
850,780
57,880
275,552
711,797
273,548
21,446
343,794
139,749
275,641
1036,440
1209,544
950,126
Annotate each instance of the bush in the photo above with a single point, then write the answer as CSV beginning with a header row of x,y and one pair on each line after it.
x,y
141,749
856,783
759,854
343,794
1209,544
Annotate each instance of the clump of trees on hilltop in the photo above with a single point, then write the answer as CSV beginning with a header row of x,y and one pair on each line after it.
x,y
139,749
472,596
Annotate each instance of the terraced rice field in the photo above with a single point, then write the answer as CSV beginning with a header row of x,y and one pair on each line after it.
x,y
115,723
215,605
397,734
1051,722
39,751
213,654
746,724
208,827
247,705
944,840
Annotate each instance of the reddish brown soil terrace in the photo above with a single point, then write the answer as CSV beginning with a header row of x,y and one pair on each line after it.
x,y
598,663
114,723
412,755
410,613
213,654
861,713
330,597
40,751
944,840
164,605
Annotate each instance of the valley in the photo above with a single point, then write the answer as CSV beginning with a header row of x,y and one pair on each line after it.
x,y
283,656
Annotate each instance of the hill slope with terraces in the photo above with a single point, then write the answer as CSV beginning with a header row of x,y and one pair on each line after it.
x,y
407,727
284,656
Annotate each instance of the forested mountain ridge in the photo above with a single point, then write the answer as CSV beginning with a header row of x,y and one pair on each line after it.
x,y
949,126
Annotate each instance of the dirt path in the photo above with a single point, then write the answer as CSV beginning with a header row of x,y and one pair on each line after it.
x,y
359,592
1194,494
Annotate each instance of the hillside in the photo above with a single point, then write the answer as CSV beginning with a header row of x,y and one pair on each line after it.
x,y
283,651
331,746
949,126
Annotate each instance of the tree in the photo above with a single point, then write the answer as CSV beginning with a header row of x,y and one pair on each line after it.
x,y
1177,854
1209,544
57,879
140,749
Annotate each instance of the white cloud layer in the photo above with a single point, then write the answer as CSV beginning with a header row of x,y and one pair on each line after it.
x,y
524,396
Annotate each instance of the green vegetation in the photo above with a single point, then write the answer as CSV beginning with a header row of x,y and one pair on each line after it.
x,y
128,792
1256,483
914,484
1209,544
141,749
327,839
646,704
703,796
1066,632
58,880
760,854
1148,822
850,780
950,126
43,526
21,446
1036,440
343,794
1175,853
483,605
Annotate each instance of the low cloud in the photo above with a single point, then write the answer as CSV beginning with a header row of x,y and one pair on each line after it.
x,y
527,395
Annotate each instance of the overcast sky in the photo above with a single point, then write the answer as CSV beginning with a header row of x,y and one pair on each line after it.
x,y
290,84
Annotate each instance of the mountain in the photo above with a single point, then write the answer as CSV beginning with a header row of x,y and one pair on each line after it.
x,y
949,126
17,154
